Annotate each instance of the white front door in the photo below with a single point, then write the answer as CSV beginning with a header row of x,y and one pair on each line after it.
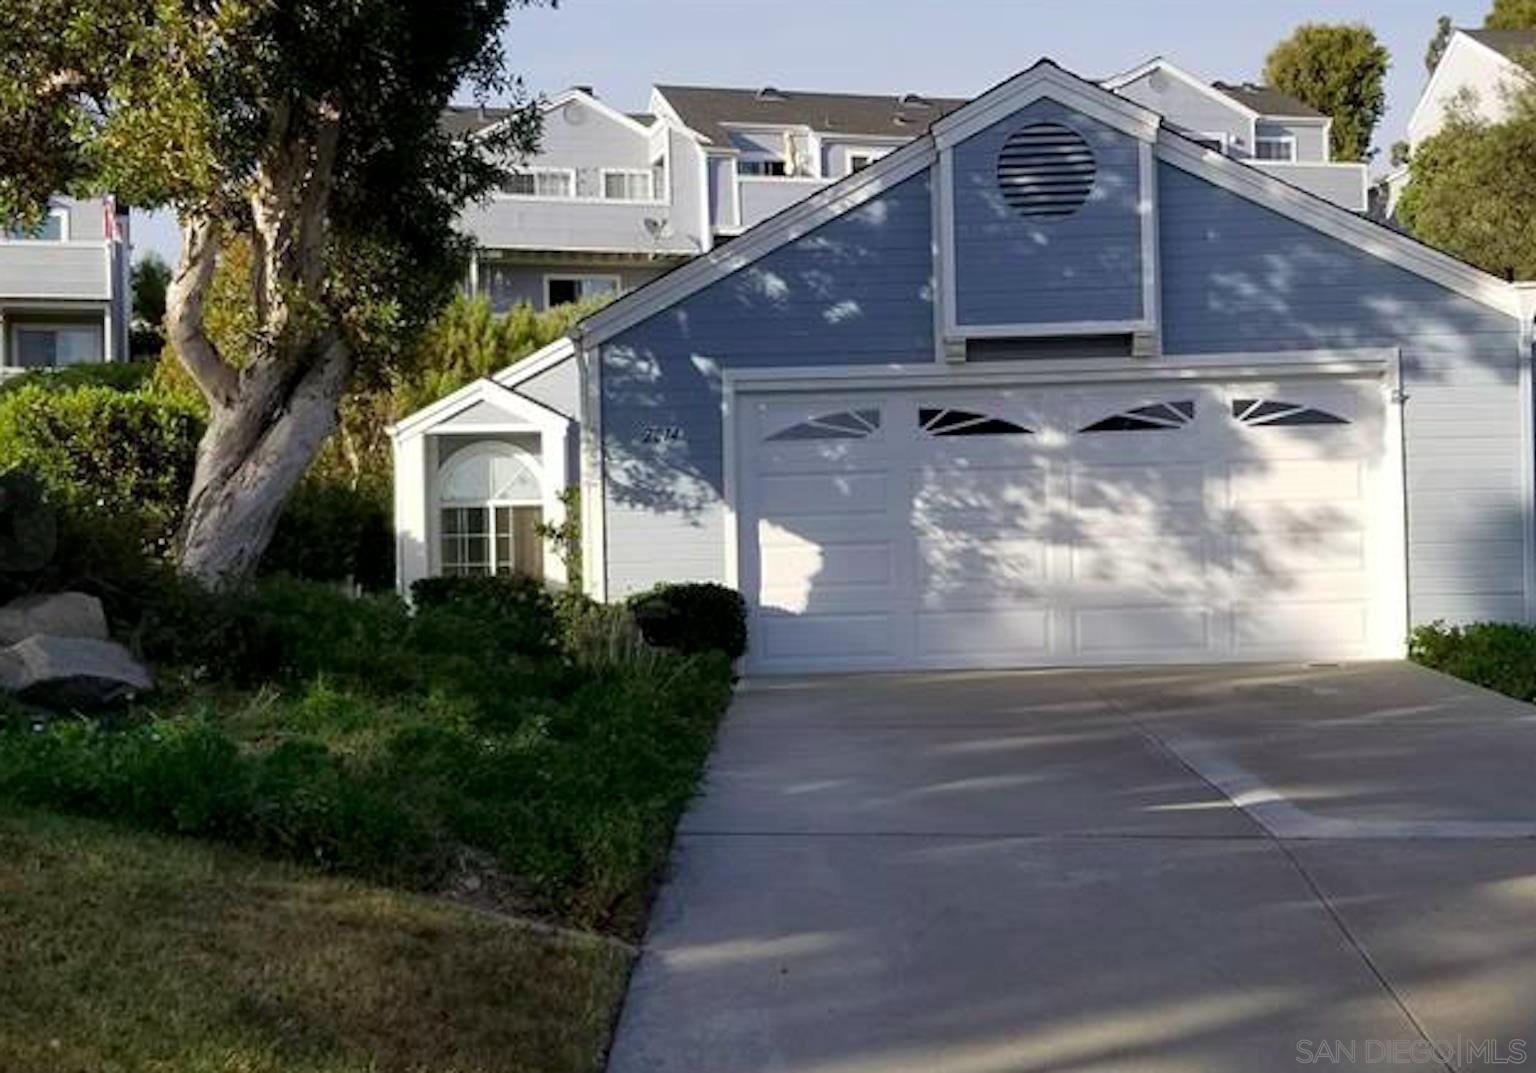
x,y
1168,522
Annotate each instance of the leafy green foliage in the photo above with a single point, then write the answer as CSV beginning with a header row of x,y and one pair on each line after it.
x,y
28,528
693,617
331,531
117,375
389,745
1511,15
521,608
1497,655
1436,47
1472,186
110,457
1339,70
149,278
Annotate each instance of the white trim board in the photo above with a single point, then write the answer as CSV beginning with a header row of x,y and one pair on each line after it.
x,y
1125,78
1044,79
1366,361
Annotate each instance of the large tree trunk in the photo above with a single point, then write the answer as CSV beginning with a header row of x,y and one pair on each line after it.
x,y
268,416
248,464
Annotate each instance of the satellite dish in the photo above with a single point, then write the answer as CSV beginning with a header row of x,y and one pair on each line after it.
x,y
658,228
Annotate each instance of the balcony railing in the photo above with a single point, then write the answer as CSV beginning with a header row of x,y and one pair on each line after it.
x,y
81,270
764,196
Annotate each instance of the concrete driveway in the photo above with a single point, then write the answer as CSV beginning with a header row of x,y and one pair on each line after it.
x,y
1175,869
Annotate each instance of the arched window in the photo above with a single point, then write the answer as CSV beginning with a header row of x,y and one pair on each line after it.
x,y
490,506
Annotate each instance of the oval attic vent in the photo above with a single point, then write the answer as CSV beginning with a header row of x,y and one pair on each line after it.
x,y
1045,170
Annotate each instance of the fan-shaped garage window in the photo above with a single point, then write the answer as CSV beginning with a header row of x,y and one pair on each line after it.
x,y
847,425
490,509
940,422
1045,171
1266,412
1157,417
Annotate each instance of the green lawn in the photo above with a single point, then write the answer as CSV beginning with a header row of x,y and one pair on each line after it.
x,y
125,951
382,801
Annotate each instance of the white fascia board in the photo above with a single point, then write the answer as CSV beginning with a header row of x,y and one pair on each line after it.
x,y
1347,362
1340,223
445,409
1460,42
590,101
1045,80
561,350
1159,63
779,230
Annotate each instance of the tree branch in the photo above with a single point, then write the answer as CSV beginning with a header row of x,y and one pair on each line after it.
x,y
314,207
184,301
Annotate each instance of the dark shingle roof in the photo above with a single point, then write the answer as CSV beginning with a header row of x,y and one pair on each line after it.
x,y
461,119
705,108
1510,43
1266,100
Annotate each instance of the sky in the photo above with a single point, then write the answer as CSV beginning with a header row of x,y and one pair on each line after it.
x,y
944,48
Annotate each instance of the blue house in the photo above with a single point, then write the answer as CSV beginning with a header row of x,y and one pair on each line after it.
x,y
1052,384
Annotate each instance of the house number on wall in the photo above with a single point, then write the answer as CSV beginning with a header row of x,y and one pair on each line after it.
x,y
661,434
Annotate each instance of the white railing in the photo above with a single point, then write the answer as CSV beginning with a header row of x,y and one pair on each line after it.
x,y
56,270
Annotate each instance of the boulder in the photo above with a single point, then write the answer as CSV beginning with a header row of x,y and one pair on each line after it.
x,y
72,672
63,614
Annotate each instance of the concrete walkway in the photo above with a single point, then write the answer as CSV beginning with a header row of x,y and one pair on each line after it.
x,y
1179,869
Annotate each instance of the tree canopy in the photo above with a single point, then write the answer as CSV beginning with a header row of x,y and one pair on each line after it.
x,y
1472,186
309,129
1436,48
1339,70
1511,15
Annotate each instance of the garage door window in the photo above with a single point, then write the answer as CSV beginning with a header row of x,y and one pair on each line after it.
x,y
1291,414
1158,417
845,425
942,422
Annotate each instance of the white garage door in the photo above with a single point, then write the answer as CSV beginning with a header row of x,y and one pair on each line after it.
x,y
1175,522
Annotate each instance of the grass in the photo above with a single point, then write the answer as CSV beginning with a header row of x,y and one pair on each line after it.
x,y
125,951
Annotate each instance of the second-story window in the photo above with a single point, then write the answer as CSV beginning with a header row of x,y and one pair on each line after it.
x,y
760,167
540,182
1276,148
627,184
53,228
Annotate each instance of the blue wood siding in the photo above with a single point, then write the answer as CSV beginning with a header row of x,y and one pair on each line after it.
x,y
1191,109
1237,277
857,290
1011,269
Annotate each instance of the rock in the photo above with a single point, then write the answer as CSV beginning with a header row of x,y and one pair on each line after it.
x,y
64,614
72,672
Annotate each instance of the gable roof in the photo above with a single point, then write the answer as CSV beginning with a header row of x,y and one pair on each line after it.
x,y
707,109
1267,101
463,120
1043,79
1508,43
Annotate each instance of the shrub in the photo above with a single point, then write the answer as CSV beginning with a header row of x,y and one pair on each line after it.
x,y
693,617
520,609
123,460
332,532
116,375
1497,655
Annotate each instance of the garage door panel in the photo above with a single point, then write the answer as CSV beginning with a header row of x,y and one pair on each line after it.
x,y
1022,632
980,570
809,638
796,495
992,497
1166,564
1228,531
794,562
1285,480
1132,629
1315,626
